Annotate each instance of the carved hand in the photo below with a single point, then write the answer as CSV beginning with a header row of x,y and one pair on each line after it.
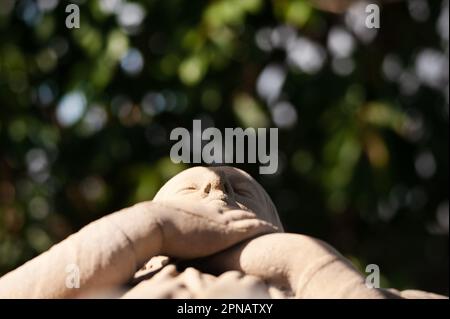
x,y
191,230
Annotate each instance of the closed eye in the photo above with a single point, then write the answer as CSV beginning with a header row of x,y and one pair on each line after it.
x,y
187,189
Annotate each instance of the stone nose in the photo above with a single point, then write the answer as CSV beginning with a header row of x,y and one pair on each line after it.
x,y
218,187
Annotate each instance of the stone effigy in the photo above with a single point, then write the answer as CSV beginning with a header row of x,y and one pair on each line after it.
x,y
208,233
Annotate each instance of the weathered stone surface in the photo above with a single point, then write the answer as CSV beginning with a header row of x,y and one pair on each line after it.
x,y
221,223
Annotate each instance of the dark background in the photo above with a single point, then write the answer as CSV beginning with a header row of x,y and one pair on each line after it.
x,y
85,117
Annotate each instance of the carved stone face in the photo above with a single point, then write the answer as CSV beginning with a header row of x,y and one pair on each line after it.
x,y
224,187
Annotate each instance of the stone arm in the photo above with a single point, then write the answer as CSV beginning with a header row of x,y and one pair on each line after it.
x,y
99,257
105,254
305,266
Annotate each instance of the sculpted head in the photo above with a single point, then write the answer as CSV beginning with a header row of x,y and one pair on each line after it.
x,y
224,187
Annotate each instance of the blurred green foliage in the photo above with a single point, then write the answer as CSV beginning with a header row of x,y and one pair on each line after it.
x,y
85,116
